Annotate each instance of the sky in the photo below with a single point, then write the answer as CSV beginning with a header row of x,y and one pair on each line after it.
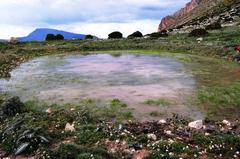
x,y
96,17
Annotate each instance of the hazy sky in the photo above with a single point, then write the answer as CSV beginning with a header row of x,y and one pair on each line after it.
x,y
97,17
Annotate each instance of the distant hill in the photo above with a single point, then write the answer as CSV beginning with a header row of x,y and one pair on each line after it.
x,y
200,13
2,40
41,33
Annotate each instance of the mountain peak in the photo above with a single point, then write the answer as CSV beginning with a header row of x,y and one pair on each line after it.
x,y
40,34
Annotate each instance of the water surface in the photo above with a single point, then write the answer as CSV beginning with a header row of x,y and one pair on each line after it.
x,y
131,78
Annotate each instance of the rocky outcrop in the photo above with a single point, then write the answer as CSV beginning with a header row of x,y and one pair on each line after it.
x,y
201,13
170,21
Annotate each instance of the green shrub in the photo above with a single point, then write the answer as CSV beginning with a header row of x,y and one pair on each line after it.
x,y
89,134
59,37
198,32
116,103
136,34
213,26
12,106
88,37
50,37
115,35
21,137
30,140
67,151
158,35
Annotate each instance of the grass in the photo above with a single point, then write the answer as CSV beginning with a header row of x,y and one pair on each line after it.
x,y
93,135
156,114
215,78
217,92
158,102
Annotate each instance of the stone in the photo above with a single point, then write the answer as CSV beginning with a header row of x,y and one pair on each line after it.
x,y
49,111
162,121
168,132
70,127
152,137
199,39
226,122
198,124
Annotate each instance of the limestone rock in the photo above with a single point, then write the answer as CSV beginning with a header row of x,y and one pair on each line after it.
x,y
162,121
70,127
198,124
226,122
152,137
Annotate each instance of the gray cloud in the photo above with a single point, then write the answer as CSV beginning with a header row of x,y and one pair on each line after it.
x,y
44,13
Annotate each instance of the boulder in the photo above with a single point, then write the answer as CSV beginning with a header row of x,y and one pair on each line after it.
x,y
198,124
226,122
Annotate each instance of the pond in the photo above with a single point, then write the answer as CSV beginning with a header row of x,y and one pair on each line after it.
x,y
133,79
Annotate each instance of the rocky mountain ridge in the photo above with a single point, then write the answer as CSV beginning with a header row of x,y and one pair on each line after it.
x,y
199,13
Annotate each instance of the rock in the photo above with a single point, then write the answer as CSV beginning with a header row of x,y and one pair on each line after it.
x,y
72,109
198,124
141,154
171,21
207,134
168,132
199,39
49,111
226,122
135,146
70,127
162,121
152,137
210,129
13,40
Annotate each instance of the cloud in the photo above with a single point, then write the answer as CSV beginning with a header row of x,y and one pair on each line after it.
x,y
36,13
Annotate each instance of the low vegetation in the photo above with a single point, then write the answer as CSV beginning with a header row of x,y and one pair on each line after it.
x,y
50,37
115,35
109,130
44,135
158,102
136,34
214,26
198,33
88,37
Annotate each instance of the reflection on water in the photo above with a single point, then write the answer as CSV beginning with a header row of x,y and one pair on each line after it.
x,y
132,78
